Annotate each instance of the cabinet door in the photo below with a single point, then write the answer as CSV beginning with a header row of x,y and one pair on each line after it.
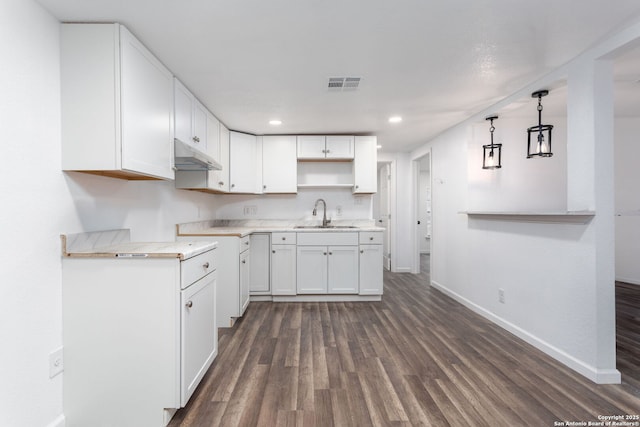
x,y
371,280
213,136
339,147
183,105
199,137
365,165
279,164
243,163
260,263
342,276
146,109
245,278
199,344
283,269
219,179
311,269
311,146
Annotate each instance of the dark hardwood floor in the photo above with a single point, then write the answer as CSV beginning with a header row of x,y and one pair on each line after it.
x,y
416,358
628,333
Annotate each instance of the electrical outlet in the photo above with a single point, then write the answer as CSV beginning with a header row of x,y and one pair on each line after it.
x,y
338,210
56,363
501,295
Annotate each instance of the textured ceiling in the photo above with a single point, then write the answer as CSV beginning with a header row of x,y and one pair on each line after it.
x,y
435,63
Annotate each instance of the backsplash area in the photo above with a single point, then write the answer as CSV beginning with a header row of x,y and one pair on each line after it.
x,y
341,205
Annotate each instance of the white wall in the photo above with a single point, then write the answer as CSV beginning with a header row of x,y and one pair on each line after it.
x,y
39,202
297,206
627,193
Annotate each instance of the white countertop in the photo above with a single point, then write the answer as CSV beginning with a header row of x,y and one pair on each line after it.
x,y
236,228
116,244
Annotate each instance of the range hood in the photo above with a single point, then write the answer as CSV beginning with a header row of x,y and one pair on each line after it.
x,y
188,158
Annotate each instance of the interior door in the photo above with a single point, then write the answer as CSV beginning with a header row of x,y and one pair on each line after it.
x,y
384,178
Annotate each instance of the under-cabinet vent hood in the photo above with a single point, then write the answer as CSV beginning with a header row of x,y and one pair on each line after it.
x,y
190,159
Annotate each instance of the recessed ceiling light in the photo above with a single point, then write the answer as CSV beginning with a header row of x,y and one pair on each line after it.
x,y
395,119
275,122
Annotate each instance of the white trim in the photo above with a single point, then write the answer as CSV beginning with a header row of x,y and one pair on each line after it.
x,y
403,270
326,298
260,298
60,421
599,376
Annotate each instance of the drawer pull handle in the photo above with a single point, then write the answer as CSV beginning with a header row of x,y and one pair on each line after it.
x,y
206,265
189,304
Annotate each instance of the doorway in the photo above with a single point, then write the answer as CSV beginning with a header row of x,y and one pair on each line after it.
x,y
382,211
423,227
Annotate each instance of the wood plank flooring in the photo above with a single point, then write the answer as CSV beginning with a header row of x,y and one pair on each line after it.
x,y
418,358
628,333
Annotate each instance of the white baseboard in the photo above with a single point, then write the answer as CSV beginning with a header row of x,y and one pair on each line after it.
x,y
599,376
60,421
326,298
402,270
628,280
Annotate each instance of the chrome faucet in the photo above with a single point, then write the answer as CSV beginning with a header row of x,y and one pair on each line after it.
x,y
325,222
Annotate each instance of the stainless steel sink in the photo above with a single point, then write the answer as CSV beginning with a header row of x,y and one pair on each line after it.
x,y
326,226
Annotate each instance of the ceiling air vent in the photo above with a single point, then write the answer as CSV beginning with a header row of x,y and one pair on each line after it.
x,y
343,84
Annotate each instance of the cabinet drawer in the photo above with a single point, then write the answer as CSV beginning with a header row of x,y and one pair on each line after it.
x,y
193,269
370,237
245,243
327,238
283,238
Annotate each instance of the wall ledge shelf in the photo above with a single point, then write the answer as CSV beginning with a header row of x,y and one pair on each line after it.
x,y
565,217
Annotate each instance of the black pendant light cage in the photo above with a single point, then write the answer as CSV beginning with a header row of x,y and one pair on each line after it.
x,y
539,137
492,153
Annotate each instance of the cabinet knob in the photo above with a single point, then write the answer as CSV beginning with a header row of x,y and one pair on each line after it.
x,y
233,185
189,304
244,261
274,251
370,238
330,253
221,183
327,151
205,265
246,243
264,187
361,251
196,139
324,151
357,186
284,238
324,253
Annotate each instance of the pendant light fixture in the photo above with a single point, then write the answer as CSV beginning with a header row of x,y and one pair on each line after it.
x,y
540,146
492,153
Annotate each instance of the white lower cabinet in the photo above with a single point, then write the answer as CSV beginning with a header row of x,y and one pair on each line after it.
x,y
283,263
371,250
327,263
259,283
233,276
245,279
139,335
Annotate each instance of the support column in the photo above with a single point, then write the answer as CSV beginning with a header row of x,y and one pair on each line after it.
x,y
590,186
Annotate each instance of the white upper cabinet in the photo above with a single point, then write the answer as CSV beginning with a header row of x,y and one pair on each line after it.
x,y
118,124
190,118
245,165
220,178
213,137
319,147
279,164
365,165
339,147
